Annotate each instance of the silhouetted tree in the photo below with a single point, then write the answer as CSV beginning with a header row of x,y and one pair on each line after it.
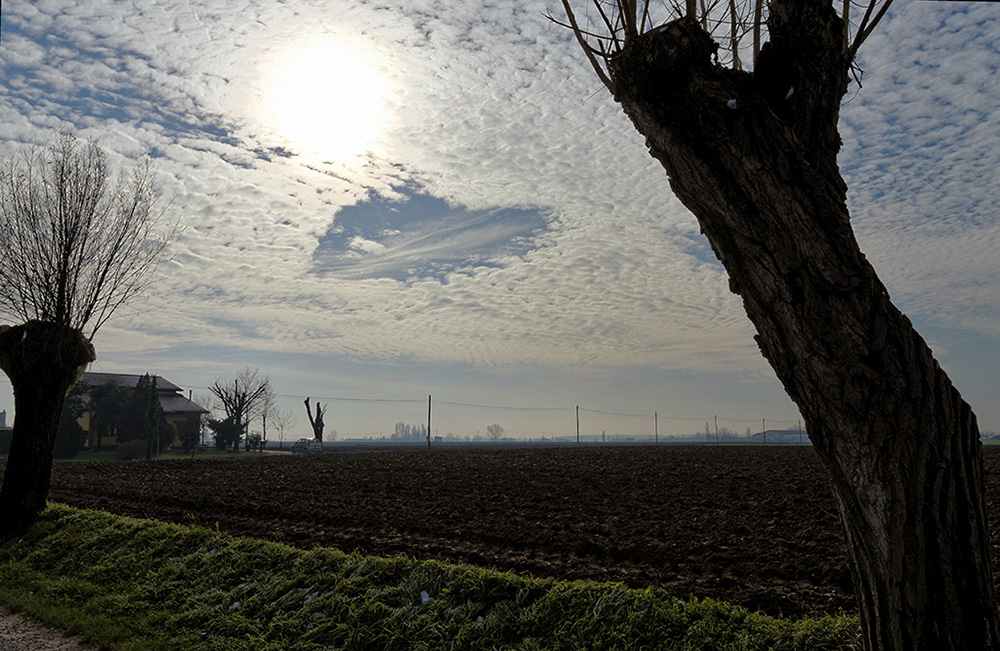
x,y
494,432
71,436
143,418
753,155
189,433
107,404
76,247
243,398
316,422
283,419
228,432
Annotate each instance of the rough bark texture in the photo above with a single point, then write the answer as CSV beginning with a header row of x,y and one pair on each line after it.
x,y
43,361
754,157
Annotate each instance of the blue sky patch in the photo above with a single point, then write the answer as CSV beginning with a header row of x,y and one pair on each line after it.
x,y
422,236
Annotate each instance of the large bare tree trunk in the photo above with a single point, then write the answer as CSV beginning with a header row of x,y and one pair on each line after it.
x,y
754,157
43,361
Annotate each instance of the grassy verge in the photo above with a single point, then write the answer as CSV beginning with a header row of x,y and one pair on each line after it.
x,y
125,583
173,453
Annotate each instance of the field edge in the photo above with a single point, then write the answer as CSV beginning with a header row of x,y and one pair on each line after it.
x,y
129,583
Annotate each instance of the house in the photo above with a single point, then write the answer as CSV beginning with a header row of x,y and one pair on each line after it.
x,y
177,410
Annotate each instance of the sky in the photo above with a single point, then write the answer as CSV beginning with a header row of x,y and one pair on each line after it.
x,y
385,201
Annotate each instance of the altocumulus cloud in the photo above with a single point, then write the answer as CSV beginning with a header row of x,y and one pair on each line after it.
x,y
507,213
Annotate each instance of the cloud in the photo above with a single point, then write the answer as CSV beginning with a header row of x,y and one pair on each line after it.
x,y
507,216
922,162
421,236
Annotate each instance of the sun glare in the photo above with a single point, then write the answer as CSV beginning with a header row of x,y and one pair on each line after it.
x,y
329,98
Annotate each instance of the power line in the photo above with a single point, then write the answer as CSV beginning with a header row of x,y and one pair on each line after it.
x,y
473,406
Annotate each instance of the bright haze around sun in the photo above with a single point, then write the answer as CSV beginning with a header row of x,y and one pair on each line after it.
x,y
388,201
327,97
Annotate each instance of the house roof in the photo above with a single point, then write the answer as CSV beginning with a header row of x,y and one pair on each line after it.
x,y
126,380
169,393
180,405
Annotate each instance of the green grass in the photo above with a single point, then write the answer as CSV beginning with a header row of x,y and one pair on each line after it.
x,y
174,453
125,583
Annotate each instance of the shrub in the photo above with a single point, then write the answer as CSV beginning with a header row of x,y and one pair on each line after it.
x,y
128,450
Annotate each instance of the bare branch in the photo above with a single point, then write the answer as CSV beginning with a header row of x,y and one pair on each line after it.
x,y
78,246
581,39
730,22
866,28
757,24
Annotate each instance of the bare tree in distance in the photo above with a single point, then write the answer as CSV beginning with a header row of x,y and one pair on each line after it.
x,y
316,422
78,246
753,155
268,409
283,419
244,398
209,402
494,432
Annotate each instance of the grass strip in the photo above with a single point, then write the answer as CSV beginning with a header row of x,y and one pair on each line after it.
x,y
126,583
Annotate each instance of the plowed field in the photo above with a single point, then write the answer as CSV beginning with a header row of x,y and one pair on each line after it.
x,y
746,524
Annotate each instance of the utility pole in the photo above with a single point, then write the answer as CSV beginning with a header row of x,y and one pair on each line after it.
x,y
716,428
656,429
428,423
763,422
578,424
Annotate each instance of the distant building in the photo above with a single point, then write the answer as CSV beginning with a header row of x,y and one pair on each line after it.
x,y
781,436
5,433
177,410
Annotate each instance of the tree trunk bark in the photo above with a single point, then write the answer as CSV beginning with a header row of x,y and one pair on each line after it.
x,y
43,361
754,157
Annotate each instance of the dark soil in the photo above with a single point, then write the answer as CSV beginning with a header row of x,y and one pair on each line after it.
x,y
746,524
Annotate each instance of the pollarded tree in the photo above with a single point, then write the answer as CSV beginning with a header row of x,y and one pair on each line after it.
x,y
77,245
316,422
244,398
753,155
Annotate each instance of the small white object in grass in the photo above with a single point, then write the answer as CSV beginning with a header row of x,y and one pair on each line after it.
x,y
424,597
791,91
235,605
479,619
731,103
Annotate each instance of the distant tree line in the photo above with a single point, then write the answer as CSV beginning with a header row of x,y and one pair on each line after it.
x,y
405,432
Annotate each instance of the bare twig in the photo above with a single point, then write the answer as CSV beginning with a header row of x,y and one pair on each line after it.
x,y
730,21
865,28
581,39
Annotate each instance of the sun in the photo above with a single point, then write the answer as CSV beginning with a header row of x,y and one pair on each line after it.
x,y
329,97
